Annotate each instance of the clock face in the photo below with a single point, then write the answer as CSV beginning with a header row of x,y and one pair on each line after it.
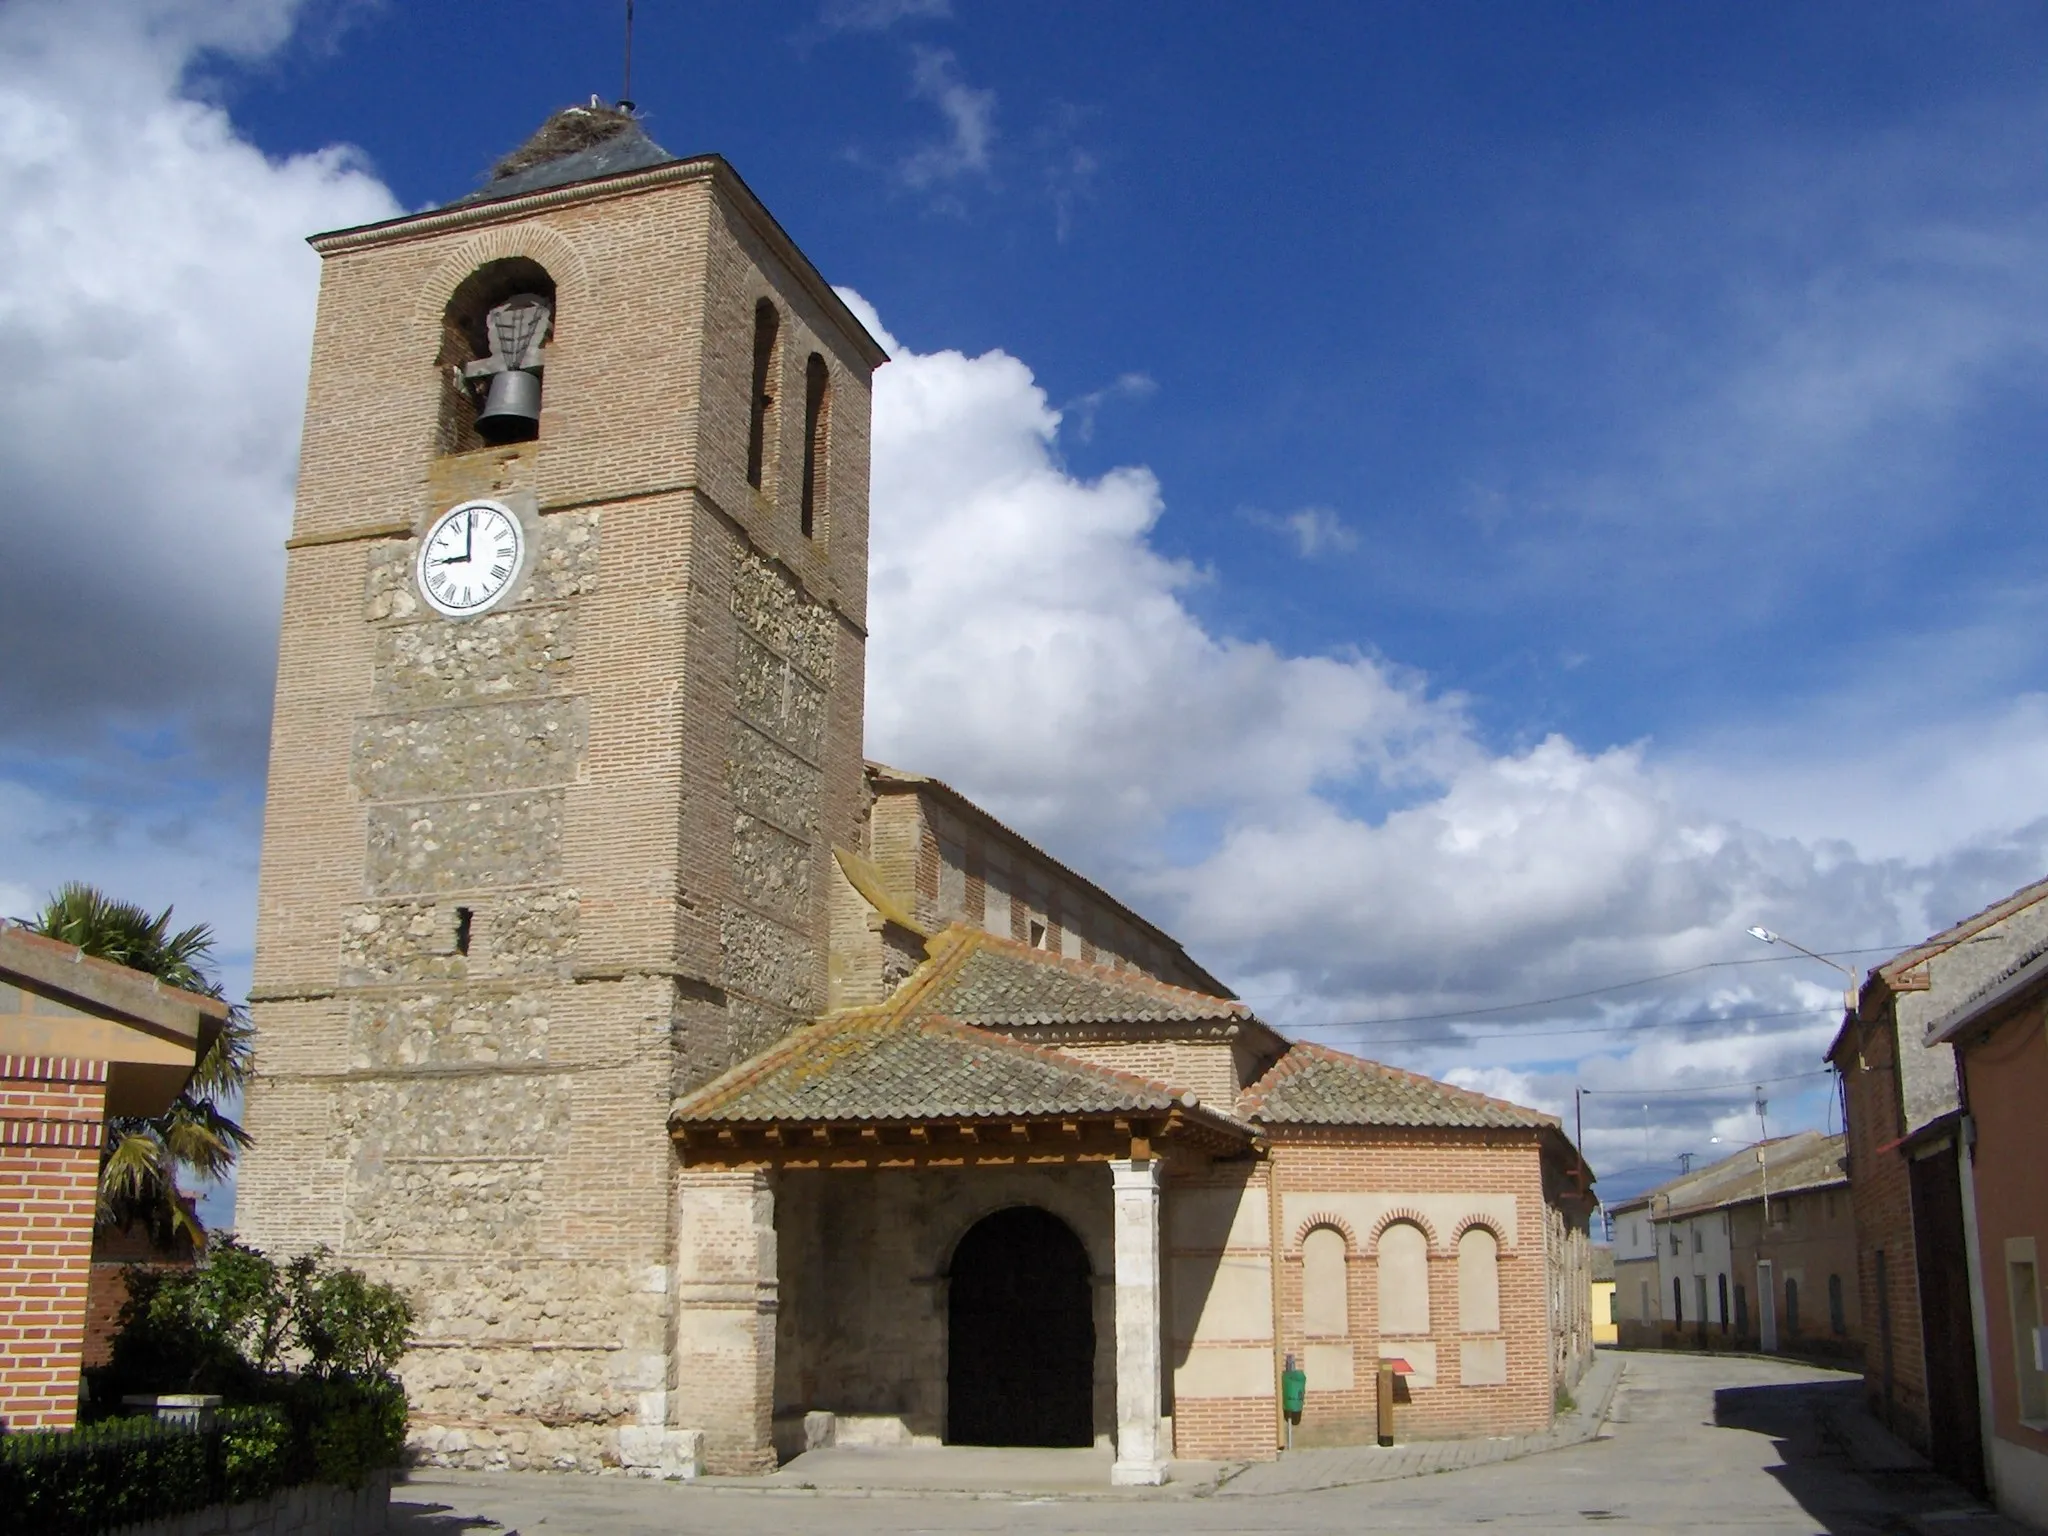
x,y
470,557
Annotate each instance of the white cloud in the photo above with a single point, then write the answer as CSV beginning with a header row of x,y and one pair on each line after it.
x,y
969,114
155,303
156,299
1078,415
880,15
1327,830
1314,531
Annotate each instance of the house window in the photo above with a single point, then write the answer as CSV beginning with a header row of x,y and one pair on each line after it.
x,y
1403,1274
1677,1301
1699,1242
817,426
2022,1284
1643,1294
1838,1312
1722,1283
1791,1306
761,409
1478,1281
1325,1292
1700,1295
1674,1242
1037,934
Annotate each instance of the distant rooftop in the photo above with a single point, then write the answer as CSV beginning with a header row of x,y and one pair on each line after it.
x,y
575,144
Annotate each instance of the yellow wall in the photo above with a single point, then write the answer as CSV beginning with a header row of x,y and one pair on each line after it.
x,y
1604,1331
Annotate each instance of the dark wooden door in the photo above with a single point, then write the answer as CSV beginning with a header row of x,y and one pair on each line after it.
x,y
1020,1367
1958,1445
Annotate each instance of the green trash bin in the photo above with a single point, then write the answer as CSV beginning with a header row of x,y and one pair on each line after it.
x,y
1293,1388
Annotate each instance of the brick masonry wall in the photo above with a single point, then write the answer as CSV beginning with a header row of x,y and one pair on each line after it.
x,y
1357,1182
1427,1163
50,1134
1894,1373
628,775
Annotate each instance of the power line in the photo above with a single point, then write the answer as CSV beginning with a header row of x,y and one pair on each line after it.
x,y
1572,997
1584,1029
1747,1082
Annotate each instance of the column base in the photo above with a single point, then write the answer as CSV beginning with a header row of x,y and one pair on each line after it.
x,y
1137,1474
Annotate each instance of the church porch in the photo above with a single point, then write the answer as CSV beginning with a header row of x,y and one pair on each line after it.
x,y
965,1283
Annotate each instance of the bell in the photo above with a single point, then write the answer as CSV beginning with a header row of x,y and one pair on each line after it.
x,y
511,412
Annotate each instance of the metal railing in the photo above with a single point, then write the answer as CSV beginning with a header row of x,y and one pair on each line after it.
x,y
121,1471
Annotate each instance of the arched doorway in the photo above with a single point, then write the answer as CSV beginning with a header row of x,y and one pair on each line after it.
x,y
1020,1334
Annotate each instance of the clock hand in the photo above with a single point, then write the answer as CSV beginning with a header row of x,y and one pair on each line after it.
x,y
468,533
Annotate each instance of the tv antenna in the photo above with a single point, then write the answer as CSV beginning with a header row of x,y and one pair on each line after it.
x,y
626,93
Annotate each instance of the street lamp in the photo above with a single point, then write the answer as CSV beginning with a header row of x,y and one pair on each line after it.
x,y
1848,992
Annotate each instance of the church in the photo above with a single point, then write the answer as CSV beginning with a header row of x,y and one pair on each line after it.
x,y
714,1091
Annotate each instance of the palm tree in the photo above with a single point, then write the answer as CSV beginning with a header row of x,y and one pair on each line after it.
x,y
143,1156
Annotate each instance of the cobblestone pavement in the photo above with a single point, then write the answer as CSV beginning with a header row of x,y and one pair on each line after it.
x,y
1690,1443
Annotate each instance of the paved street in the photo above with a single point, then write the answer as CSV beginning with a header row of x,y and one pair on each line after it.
x,y
1691,1444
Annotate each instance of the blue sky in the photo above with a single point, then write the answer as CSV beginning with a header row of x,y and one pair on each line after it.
x,y
1466,503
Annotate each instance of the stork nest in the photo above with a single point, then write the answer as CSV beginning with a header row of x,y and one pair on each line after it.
x,y
569,130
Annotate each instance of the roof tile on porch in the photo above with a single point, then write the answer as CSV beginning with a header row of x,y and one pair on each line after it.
x,y
1314,1085
980,979
867,1064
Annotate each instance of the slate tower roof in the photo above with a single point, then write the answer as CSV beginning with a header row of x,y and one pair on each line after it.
x,y
575,144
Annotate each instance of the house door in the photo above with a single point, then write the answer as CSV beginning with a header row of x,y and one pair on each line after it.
x,y
1957,1450
1766,1309
1020,1360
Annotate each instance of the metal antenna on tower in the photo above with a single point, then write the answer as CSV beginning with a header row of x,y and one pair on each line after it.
x,y
626,94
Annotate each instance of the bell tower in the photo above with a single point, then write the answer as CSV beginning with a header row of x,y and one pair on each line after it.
x,y
568,720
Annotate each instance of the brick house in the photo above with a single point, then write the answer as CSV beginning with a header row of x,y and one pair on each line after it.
x,y
2001,1045
1756,1251
704,1083
1911,1180
80,1040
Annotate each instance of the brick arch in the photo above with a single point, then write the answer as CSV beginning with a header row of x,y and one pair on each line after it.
x,y
1336,1223
1413,1217
536,242
1467,1222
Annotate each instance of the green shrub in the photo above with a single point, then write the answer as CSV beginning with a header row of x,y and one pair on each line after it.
x,y
256,1445
346,1323
235,1319
350,1427
121,1471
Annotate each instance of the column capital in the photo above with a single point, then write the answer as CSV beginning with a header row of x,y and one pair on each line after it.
x,y
1134,1174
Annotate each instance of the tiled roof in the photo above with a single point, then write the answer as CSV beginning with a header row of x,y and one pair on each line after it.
x,y
1314,1085
980,979
874,1064
1911,959
1803,1160
2015,980
916,1057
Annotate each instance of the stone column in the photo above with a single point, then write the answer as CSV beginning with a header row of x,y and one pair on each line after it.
x,y
722,1361
1140,1458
